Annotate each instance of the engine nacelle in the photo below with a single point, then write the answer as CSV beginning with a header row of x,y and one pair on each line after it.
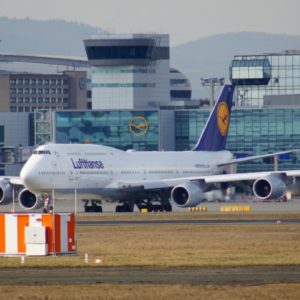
x,y
28,200
6,191
271,186
188,194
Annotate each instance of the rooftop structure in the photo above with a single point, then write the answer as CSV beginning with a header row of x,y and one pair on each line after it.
x,y
267,79
129,71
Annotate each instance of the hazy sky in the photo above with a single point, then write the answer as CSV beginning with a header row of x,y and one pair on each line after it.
x,y
184,20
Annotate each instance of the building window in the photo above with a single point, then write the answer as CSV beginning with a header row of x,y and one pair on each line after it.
x,y
47,100
26,90
12,81
65,100
40,81
65,82
46,81
178,81
53,100
27,109
46,91
26,100
59,91
26,81
33,81
20,81
53,81
20,100
13,109
66,91
125,52
13,99
53,91
20,91
13,91
33,100
59,82
20,109
59,100
40,100
33,91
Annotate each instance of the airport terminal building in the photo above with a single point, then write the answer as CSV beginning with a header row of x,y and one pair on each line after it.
x,y
271,79
140,103
253,131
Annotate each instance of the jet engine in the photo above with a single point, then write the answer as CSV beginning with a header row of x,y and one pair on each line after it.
x,y
271,186
6,191
28,200
188,194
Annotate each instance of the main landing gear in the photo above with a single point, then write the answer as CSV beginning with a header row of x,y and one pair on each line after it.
x,y
125,207
155,207
156,203
92,205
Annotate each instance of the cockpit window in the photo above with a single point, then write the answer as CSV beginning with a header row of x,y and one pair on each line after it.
x,y
41,152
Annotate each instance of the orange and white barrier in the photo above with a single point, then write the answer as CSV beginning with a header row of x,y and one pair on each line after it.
x,y
20,233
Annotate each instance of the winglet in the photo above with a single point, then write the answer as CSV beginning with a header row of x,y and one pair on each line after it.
x,y
214,134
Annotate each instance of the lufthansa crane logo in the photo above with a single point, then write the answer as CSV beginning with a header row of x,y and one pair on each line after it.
x,y
223,118
138,126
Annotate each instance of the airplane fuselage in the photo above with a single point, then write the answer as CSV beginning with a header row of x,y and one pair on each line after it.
x,y
97,171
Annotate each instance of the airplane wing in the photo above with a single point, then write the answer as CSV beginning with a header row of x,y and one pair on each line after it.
x,y
250,158
15,180
6,188
222,178
266,185
226,178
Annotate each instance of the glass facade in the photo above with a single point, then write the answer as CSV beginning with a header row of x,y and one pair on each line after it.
x,y
124,130
251,71
251,132
265,75
127,52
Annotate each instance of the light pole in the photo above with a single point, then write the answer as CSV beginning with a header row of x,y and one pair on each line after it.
x,y
212,83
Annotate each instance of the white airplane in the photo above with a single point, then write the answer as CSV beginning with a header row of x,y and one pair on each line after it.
x,y
108,174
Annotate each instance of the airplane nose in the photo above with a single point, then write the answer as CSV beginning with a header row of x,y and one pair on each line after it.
x,y
27,177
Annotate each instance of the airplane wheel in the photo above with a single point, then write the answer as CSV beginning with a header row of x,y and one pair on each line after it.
x,y
124,208
167,208
119,208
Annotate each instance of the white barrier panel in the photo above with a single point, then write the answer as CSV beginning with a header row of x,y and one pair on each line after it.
x,y
47,233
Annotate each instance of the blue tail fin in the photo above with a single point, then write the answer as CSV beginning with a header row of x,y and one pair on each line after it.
x,y
214,134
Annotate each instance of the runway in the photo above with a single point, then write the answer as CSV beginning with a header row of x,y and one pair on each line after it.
x,y
187,222
256,207
251,275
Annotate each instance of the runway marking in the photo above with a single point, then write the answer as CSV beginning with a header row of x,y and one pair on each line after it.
x,y
186,222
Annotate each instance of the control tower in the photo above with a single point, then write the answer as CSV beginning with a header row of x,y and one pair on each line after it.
x,y
129,71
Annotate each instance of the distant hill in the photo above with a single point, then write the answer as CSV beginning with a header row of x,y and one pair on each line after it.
x,y
53,37
211,56
205,57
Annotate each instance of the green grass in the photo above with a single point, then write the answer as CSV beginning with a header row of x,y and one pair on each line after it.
x,y
178,245
170,246
152,292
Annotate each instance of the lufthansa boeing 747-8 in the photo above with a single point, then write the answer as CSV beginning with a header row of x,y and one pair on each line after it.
x,y
108,174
